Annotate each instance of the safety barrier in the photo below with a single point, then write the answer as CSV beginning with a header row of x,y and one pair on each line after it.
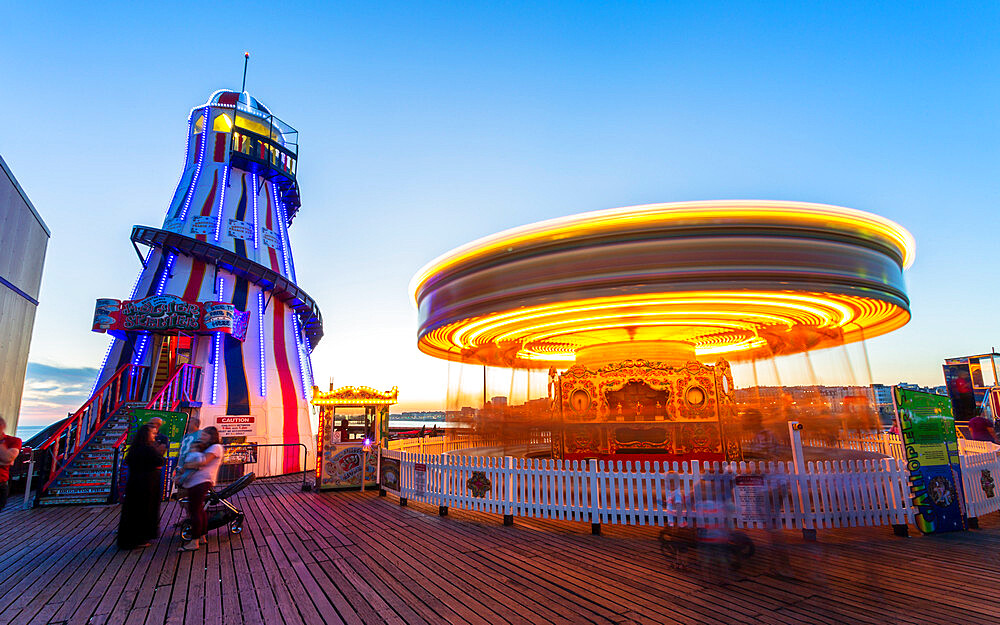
x,y
981,479
774,495
796,494
264,460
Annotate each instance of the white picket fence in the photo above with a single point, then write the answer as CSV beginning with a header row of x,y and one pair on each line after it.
x,y
842,494
818,495
981,480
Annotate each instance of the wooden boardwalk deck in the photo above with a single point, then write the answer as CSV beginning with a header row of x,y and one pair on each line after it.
x,y
355,558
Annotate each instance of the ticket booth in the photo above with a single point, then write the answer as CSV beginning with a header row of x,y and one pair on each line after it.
x,y
353,424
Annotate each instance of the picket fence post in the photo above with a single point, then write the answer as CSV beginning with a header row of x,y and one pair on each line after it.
x,y
378,471
595,499
508,473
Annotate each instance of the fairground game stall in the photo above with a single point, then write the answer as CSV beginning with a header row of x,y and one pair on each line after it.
x,y
353,423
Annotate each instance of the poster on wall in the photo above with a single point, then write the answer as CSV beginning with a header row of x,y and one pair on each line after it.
x,y
389,476
927,429
240,454
750,498
420,478
240,229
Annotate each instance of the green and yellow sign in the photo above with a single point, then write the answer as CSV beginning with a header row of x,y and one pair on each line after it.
x,y
927,428
174,425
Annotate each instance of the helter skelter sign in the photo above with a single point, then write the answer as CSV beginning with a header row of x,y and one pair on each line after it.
x,y
167,314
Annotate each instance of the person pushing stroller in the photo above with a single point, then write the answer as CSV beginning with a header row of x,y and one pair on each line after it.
x,y
198,470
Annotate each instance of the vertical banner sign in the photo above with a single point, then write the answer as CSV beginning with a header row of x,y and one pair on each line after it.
x,y
419,478
927,428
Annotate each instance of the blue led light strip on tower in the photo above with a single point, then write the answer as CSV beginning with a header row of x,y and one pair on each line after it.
x,y
141,350
222,198
309,365
216,348
201,159
167,266
302,370
280,209
256,234
166,273
260,335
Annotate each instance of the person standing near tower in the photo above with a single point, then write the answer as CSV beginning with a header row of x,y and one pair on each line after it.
x,y
140,520
10,448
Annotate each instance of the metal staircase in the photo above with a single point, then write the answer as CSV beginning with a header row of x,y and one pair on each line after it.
x,y
86,479
85,449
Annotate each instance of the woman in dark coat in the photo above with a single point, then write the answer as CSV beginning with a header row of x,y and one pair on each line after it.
x,y
140,522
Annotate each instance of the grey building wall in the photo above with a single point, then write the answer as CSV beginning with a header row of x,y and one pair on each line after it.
x,y
23,239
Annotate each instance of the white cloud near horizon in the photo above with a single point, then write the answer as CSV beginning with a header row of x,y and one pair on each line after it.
x,y
51,392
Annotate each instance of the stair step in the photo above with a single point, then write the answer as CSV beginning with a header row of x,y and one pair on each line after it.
x,y
82,480
95,474
71,501
83,463
78,491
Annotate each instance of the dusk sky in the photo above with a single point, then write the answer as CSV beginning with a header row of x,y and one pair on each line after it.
x,y
424,126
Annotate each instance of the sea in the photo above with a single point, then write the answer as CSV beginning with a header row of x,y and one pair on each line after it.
x,y
24,432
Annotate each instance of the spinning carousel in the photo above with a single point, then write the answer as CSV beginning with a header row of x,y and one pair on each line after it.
x,y
638,312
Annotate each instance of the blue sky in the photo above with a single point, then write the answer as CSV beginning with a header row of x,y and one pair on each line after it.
x,y
423,126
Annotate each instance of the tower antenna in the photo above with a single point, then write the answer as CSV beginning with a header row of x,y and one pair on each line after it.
x,y
246,60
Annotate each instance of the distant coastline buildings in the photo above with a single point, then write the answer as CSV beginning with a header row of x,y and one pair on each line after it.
x,y
24,238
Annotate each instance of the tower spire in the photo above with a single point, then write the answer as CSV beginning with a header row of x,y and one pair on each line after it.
x,y
246,60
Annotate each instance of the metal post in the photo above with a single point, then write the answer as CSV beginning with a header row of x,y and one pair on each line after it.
x,y
799,465
364,467
27,482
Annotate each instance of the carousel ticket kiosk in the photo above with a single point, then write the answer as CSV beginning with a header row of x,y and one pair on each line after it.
x,y
353,424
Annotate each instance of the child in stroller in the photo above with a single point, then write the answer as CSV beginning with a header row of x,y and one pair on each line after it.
x,y
220,511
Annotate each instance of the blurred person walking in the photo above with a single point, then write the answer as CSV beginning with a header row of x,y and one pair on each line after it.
x,y
199,483
140,518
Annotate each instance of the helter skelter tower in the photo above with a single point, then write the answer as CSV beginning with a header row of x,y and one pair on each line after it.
x,y
225,239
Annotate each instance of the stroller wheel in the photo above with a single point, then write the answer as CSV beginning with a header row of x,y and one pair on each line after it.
x,y
236,526
186,532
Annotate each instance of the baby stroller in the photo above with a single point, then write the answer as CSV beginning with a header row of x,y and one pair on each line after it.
x,y
220,511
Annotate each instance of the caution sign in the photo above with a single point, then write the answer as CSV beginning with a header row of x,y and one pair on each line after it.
x,y
237,425
420,478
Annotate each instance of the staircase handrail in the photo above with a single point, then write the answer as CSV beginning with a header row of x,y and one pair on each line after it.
x,y
180,387
65,426
107,400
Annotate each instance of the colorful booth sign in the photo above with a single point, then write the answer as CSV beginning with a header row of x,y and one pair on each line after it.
x,y
174,426
927,428
166,314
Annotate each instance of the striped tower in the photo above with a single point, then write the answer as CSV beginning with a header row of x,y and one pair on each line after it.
x,y
225,238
